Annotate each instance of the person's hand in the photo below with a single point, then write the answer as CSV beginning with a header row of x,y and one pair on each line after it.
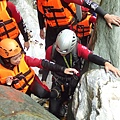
x,y
70,71
112,19
110,67
9,80
26,45
44,82
42,34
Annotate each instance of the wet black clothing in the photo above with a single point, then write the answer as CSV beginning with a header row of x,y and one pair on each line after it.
x,y
64,84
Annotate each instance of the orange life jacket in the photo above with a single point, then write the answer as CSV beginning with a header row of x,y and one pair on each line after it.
x,y
83,28
8,25
24,74
55,13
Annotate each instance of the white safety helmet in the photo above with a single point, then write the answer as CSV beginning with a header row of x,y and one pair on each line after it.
x,y
66,41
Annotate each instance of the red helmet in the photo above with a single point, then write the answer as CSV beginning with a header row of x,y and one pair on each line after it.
x,y
84,9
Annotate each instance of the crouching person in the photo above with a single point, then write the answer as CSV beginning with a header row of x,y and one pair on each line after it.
x,y
16,71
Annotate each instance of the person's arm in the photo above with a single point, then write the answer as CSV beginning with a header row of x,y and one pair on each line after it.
x,y
89,4
83,51
43,63
13,12
92,19
101,61
95,7
41,24
48,65
97,59
110,19
44,74
48,57
40,19
23,30
79,2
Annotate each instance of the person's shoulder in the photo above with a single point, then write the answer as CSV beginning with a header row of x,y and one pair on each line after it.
x,y
80,46
49,48
11,6
49,52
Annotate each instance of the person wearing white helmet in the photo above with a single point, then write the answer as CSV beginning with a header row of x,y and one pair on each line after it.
x,y
55,16
66,52
66,41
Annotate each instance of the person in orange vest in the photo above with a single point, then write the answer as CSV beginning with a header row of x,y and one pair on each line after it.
x,y
94,7
16,71
83,29
54,16
57,16
12,24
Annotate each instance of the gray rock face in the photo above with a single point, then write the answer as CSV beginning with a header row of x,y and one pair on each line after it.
x,y
108,40
98,97
15,105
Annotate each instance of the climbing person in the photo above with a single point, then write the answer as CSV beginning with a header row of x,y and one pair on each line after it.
x,y
16,71
67,52
84,28
54,17
60,16
12,24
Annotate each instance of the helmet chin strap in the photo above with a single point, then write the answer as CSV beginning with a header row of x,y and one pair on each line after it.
x,y
67,61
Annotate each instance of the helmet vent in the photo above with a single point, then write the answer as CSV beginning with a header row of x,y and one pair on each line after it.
x,y
10,50
73,40
72,44
74,37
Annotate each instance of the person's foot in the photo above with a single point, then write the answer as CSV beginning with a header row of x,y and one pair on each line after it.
x,y
63,110
44,103
63,118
